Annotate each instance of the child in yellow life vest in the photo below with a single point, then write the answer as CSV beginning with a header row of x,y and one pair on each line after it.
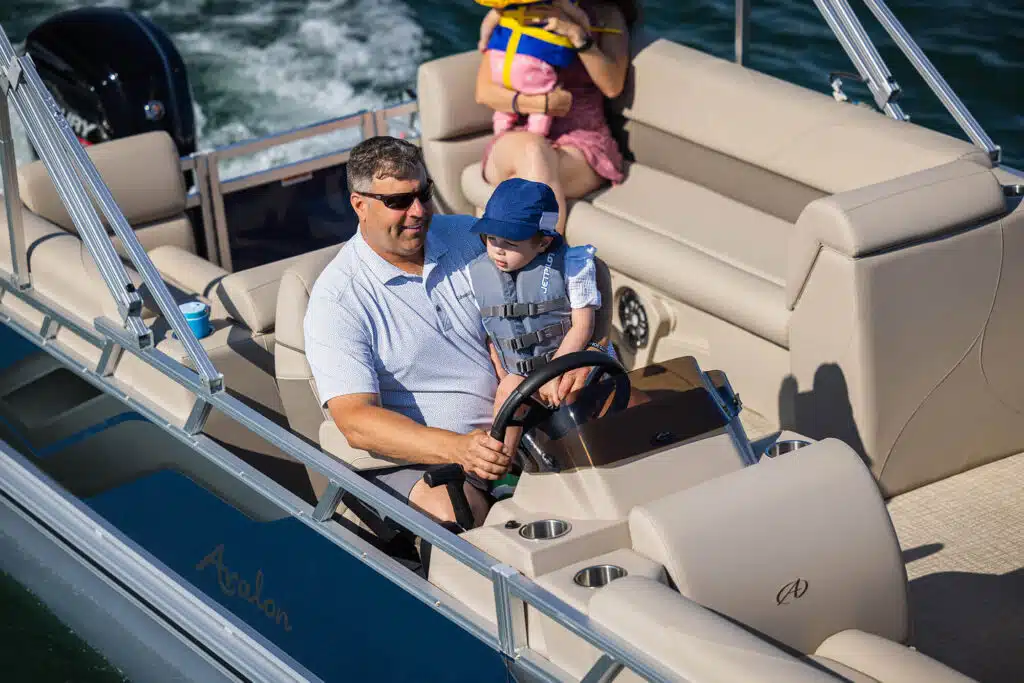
x,y
523,57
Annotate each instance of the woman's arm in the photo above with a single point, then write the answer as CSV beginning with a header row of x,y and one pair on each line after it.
x,y
499,98
487,27
607,61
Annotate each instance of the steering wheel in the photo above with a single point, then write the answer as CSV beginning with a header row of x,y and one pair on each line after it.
x,y
538,412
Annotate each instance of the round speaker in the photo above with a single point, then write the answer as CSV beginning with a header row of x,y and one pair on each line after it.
x,y
633,318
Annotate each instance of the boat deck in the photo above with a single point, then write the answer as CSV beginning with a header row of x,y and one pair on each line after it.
x,y
963,544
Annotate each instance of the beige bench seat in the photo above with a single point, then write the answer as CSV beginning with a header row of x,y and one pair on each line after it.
x,y
803,245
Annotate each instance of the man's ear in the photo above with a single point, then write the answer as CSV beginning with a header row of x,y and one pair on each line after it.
x,y
546,241
359,205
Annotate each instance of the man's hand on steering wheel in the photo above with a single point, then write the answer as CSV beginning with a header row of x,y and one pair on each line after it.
x,y
481,454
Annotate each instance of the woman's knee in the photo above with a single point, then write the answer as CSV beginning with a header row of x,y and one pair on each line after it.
x,y
537,157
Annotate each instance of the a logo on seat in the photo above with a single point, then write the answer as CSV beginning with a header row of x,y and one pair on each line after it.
x,y
794,590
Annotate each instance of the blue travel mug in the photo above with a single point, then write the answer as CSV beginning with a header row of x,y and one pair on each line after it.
x,y
197,315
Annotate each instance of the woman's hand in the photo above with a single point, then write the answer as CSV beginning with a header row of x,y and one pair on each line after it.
x,y
559,102
565,19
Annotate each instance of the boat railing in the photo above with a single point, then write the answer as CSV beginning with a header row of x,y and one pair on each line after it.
x,y
210,188
873,71
75,178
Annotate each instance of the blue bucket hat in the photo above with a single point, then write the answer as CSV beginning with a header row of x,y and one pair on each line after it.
x,y
518,210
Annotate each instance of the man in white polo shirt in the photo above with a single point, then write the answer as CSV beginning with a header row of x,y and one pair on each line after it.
x,y
394,337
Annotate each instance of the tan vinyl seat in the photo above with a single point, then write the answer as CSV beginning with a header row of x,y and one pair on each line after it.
x,y
800,549
302,407
294,377
145,178
800,244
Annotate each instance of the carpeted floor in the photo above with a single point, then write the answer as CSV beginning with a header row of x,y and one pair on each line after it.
x,y
963,544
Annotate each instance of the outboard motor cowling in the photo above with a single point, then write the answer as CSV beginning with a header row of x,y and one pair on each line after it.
x,y
114,73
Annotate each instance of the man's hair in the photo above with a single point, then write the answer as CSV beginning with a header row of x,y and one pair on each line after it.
x,y
383,157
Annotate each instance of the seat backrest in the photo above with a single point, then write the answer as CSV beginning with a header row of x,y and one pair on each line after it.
x,y
763,141
143,173
798,547
754,138
294,376
603,320
454,128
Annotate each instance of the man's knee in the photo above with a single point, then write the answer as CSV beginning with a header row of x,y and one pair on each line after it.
x,y
438,504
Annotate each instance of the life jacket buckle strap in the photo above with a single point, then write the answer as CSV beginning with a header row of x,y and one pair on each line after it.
x,y
536,337
524,310
528,365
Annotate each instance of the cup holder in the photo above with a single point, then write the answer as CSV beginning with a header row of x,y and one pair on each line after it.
x,y
545,529
1013,190
781,447
598,575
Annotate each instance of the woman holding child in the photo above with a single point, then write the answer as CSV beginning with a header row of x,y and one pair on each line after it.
x,y
578,153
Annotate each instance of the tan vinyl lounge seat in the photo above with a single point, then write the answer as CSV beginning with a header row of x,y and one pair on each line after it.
x,y
785,570
802,244
144,176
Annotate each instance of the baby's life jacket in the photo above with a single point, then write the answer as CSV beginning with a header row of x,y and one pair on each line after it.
x,y
526,314
515,35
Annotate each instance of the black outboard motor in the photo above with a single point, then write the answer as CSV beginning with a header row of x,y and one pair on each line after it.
x,y
114,74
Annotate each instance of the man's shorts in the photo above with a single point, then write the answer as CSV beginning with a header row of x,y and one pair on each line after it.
x,y
398,481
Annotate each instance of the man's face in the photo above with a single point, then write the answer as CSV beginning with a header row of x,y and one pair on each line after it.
x,y
402,230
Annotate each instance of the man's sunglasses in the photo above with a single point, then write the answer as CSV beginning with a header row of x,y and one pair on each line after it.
x,y
403,200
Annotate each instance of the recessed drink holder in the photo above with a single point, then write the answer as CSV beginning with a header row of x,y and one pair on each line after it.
x,y
598,575
787,446
545,529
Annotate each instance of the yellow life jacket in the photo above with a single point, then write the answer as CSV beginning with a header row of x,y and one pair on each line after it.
x,y
515,35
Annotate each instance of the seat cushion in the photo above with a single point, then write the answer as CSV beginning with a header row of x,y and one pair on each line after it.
x,y
294,376
737,234
187,270
772,124
683,273
884,660
798,547
62,268
142,172
477,190
447,161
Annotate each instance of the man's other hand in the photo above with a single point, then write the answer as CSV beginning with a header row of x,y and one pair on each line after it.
x,y
481,454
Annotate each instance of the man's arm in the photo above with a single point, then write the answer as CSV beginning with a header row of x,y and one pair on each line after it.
x,y
369,427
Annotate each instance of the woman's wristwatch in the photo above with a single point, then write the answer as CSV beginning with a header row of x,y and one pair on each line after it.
x,y
588,42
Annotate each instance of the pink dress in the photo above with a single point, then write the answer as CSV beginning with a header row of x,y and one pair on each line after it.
x,y
584,127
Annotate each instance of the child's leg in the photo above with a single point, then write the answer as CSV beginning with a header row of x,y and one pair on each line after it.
x,y
539,123
503,121
505,389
